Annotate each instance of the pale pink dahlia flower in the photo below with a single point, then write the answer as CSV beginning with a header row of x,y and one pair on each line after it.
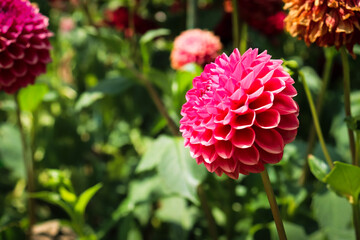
x,y
240,113
194,46
24,44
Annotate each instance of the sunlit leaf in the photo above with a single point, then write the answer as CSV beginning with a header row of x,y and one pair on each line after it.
x,y
31,96
85,198
344,179
66,195
318,167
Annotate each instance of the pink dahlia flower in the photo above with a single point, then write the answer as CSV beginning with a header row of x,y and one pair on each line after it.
x,y
194,46
240,113
24,44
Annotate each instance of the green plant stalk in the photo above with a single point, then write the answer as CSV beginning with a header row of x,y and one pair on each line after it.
x,y
347,103
316,121
191,14
235,24
356,217
207,211
329,60
28,162
243,38
273,205
357,145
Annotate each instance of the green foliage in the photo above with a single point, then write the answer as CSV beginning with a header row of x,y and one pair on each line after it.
x,y
318,167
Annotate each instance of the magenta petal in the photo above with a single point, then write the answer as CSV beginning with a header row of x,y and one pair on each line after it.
x,y
274,85
223,132
16,51
289,91
263,102
253,168
268,119
243,138
289,122
285,104
5,60
244,120
224,149
248,156
269,140
31,56
233,175
6,77
207,138
195,150
208,153
228,165
287,135
37,69
19,69
269,157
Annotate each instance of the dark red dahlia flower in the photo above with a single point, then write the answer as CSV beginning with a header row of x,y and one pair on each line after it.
x,y
119,18
24,44
240,113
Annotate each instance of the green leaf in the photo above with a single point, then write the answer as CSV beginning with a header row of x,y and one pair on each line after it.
x,y
112,86
66,195
86,99
345,179
153,155
85,197
318,167
293,231
150,35
333,213
55,199
11,150
31,96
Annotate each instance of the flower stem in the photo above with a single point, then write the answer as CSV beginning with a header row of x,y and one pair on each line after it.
x,y
356,217
316,121
28,166
347,103
191,14
208,214
243,38
273,205
329,57
235,24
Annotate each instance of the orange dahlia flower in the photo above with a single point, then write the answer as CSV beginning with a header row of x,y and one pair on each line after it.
x,y
324,22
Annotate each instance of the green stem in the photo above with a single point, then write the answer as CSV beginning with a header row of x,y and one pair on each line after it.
x,y
316,121
207,211
28,162
243,38
235,24
329,57
191,14
273,205
347,103
356,217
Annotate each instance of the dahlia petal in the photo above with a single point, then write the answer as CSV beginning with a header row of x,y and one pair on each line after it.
x,y
233,175
6,77
207,138
223,132
244,120
227,165
274,85
270,158
243,138
195,150
285,104
44,56
19,69
37,69
16,51
289,91
287,135
248,156
255,90
219,172
224,149
31,56
209,153
240,106
268,119
253,168
270,140
247,81
288,122
263,102
5,60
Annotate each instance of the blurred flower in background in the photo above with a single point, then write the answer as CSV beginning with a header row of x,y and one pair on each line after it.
x,y
240,114
326,23
120,18
194,46
66,24
265,16
24,44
